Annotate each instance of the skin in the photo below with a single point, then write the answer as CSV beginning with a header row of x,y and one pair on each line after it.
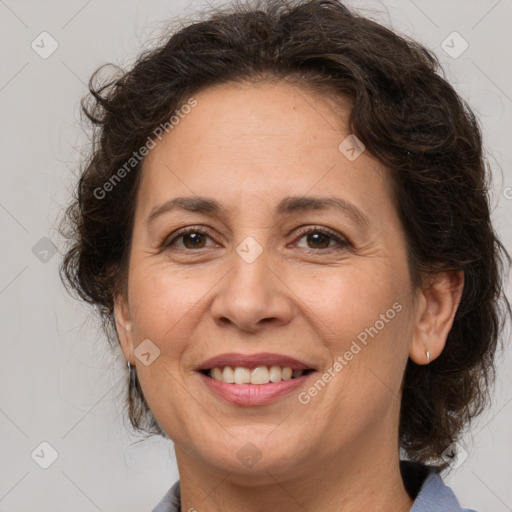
x,y
249,146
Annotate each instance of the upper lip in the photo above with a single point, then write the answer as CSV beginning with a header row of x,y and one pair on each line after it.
x,y
251,361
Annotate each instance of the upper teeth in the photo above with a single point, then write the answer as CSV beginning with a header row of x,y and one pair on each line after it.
x,y
259,375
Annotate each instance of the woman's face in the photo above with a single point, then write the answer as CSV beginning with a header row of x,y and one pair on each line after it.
x,y
264,271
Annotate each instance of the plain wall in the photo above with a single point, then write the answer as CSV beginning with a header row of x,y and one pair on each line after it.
x,y
58,382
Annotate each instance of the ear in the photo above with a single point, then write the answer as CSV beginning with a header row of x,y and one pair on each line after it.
x,y
124,327
437,307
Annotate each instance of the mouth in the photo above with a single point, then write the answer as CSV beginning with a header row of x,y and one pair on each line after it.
x,y
257,376
250,380
272,362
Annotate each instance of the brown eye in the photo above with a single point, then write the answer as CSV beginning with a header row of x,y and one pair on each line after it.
x,y
321,238
191,238
318,240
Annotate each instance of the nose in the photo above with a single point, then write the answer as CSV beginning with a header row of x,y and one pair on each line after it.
x,y
252,295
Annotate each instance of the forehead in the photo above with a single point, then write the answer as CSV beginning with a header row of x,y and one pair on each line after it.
x,y
254,124
264,140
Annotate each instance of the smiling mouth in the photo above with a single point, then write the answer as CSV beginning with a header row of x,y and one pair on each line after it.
x,y
260,375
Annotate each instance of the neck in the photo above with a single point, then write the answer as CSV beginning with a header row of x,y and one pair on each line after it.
x,y
351,481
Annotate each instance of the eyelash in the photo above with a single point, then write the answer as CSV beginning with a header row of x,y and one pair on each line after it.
x,y
341,242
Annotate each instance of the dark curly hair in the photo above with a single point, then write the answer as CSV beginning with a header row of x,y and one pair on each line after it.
x,y
403,110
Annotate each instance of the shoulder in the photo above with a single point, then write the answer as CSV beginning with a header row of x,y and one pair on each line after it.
x,y
171,501
430,493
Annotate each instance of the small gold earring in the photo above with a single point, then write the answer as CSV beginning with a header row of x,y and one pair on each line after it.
x,y
428,355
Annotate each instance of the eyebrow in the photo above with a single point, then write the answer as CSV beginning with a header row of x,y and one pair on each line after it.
x,y
286,206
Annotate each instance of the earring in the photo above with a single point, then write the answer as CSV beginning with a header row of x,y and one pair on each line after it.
x,y
129,365
428,355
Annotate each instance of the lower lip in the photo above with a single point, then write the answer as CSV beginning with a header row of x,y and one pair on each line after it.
x,y
254,394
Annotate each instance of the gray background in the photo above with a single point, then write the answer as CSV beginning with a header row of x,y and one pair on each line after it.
x,y
58,382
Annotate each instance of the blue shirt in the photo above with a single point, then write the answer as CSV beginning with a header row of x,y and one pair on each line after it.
x,y
423,483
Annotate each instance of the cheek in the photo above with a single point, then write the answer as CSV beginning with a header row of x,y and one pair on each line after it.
x,y
162,306
362,318
346,301
164,311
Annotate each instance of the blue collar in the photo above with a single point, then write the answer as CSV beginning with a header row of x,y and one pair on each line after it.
x,y
435,496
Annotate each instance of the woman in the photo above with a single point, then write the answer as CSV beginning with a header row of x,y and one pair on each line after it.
x,y
284,223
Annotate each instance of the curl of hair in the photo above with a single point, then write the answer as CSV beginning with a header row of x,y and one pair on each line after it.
x,y
403,110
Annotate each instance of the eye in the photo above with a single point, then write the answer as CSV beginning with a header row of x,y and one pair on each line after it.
x,y
192,237
321,238
195,237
